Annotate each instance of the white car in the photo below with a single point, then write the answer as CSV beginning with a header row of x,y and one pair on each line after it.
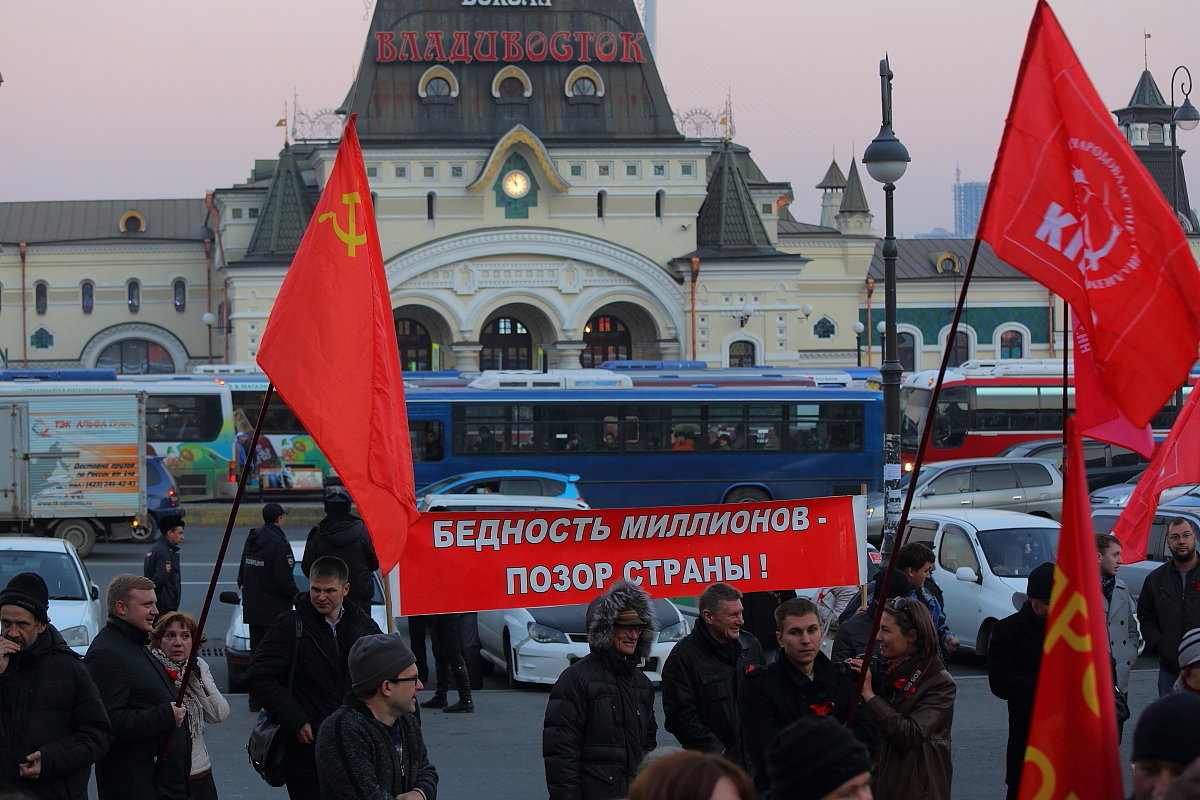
x,y
440,503
982,560
75,607
237,635
534,645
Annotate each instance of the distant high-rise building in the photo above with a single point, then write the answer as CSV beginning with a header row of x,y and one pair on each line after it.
x,y
968,205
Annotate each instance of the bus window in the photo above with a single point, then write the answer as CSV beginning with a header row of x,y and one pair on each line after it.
x,y
183,417
425,440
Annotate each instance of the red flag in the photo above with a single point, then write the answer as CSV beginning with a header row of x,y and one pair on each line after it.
x,y
1074,710
330,349
1095,411
1071,206
1176,462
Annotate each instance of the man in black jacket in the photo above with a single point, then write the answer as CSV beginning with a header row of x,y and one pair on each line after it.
x,y
265,575
140,699
161,564
600,717
53,726
1014,656
329,627
801,682
703,676
372,746
1169,604
343,535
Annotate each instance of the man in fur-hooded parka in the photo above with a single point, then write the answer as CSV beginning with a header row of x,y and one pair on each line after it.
x,y
600,718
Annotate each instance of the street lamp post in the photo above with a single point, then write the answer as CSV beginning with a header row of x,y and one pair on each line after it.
x,y
858,332
886,159
1186,116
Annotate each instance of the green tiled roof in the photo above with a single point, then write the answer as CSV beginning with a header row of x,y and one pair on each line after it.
x,y
855,199
728,218
285,214
834,179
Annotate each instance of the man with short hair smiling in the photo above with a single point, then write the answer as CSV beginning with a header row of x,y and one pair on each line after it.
x,y
327,627
703,675
372,746
140,699
1169,603
801,682
49,705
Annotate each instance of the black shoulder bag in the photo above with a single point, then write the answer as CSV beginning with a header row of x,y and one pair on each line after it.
x,y
267,747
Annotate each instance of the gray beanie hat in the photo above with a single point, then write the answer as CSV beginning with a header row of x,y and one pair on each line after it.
x,y
1189,648
375,658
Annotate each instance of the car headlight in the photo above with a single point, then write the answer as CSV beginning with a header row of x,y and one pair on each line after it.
x,y
544,634
674,633
870,512
76,637
1119,500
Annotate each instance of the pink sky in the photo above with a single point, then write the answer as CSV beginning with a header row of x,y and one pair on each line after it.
x,y
144,98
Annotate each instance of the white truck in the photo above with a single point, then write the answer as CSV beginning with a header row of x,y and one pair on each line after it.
x,y
72,463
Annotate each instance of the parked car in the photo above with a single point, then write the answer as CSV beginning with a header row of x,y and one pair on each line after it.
x,y
1029,485
982,560
498,502
1106,463
237,635
75,607
1134,574
1118,493
534,645
509,481
162,497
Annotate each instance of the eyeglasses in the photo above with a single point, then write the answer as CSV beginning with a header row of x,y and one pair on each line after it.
x,y
413,679
636,629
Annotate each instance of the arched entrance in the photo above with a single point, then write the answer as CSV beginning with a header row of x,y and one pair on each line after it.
x,y
506,345
136,357
414,345
742,354
605,338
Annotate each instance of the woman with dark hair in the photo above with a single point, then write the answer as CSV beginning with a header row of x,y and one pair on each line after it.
x,y
171,643
692,775
910,695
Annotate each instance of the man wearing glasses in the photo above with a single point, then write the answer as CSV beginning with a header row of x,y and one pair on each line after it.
x,y
320,644
1169,603
372,745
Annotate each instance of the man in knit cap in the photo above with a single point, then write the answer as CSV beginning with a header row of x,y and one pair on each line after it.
x,y
816,758
1189,663
49,706
372,745
1165,741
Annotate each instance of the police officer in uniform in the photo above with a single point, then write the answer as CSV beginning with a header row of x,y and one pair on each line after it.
x,y
265,574
161,564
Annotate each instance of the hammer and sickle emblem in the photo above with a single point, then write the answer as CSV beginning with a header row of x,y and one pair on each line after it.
x,y
352,237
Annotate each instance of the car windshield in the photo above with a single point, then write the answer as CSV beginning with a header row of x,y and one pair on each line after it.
x,y
302,585
57,570
437,486
927,471
1014,552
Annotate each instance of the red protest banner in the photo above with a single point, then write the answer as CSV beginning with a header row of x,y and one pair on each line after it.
x,y
508,560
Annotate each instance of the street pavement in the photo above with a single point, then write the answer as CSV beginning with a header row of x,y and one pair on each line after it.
x,y
496,752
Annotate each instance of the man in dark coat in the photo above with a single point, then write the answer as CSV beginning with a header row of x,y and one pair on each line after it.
x,y
600,717
703,676
265,575
53,726
1014,655
1169,604
801,682
343,535
329,627
140,699
161,564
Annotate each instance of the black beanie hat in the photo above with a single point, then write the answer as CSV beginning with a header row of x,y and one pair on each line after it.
x,y
28,591
812,757
1041,582
1169,730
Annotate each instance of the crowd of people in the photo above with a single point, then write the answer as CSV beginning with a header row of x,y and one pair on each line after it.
x,y
874,720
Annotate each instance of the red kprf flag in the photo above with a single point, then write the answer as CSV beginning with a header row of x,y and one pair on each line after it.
x,y
1072,207
330,349
1096,412
1176,462
1074,710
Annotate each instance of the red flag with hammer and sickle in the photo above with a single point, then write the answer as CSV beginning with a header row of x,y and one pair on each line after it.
x,y
330,349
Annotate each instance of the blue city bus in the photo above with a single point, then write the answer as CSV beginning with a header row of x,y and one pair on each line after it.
x,y
646,446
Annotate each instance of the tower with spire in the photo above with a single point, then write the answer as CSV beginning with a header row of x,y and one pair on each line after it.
x,y
832,187
854,215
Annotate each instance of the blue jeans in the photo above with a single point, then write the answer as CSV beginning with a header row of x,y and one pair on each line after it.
x,y
1166,681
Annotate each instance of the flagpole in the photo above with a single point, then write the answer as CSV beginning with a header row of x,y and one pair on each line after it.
x,y
926,432
230,522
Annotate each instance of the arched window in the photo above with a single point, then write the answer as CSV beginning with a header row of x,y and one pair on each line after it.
x,y
1012,344
179,296
437,87
133,296
136,357
824,328
906,350
601,204
605,338
506,345
87,297
431,206
583,87
512,89
414,345
39,297
659,198
960,350
741,354
1156,133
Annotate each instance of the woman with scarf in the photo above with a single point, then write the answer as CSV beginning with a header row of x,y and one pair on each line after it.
x,y
171,643
910,695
